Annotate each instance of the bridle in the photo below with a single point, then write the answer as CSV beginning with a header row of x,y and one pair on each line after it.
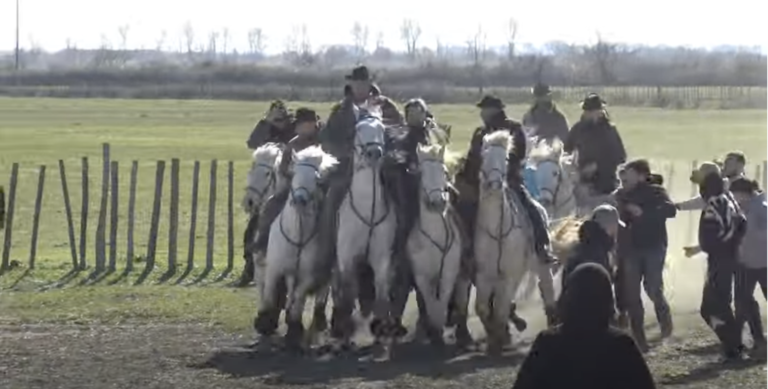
x,y
302,240
272,180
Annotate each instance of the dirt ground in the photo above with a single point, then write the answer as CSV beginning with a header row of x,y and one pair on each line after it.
x,y
197,356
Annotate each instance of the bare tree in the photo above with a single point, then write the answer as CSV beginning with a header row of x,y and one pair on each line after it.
x,y
379,40
256,41
439,49
476,51
160,41
410,32
123,30
476,47
360,39
225,39
603,56
511,38
189,37
213,44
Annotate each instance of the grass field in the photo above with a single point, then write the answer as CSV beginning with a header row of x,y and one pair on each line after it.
x,y
153,336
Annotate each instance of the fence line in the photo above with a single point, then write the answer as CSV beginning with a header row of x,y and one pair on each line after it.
x,y
110,199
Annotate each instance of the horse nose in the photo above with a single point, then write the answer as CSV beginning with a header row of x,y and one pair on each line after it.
x,y
374,153
300,198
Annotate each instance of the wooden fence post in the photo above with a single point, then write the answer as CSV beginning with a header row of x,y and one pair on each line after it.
x,y
211,218
155,222
129,256
230,218
193,218
102,221
68,212
113,216
5,264
84,214
173,226
36,217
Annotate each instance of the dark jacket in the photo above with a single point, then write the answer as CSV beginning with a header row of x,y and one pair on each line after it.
x,y
296,144
594,246
722,224
648,230
266,132
584,351
471,170
598,142
338,135
550,123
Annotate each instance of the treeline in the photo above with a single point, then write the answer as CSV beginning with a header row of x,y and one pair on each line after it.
x,y
674,77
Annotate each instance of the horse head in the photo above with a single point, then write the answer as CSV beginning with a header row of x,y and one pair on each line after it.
x,y
263,176
544,165
434,180
493,170
310,166
369,136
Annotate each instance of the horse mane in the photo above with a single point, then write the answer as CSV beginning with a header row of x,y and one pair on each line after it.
x,y
544,150
315,156
500,138
565,237
268,151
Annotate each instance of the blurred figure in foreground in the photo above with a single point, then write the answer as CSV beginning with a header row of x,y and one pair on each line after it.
x,y
753,261
585,351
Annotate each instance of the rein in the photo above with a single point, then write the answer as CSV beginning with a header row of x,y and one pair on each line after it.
x,y
450,233
502,233
270,184
302,241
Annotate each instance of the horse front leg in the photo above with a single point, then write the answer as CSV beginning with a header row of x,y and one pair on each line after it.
x,y
483,305
266,321
294,312
319,320
344,294
382,326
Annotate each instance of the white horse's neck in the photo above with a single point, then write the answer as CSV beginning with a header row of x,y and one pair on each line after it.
x,y
296,225
368,192
565,201
494,213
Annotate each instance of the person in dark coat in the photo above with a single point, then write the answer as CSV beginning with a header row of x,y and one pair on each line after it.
x,y
599,146
721,228
307,124
274,127
495,118
544,116
585,351
645,207
597,237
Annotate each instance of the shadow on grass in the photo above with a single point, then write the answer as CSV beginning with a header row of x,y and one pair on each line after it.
x,y
184,275
102,276
63,280
225,274
409,359
18,280
708,372
144,274
124,275
200,278
167,275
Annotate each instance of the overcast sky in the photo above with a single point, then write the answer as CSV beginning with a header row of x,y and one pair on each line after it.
x,y
49,23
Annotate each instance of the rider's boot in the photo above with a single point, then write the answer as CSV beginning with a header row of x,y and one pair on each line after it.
x,y
272,209
247,276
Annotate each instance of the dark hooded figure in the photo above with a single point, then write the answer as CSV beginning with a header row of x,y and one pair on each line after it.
x,y
585,351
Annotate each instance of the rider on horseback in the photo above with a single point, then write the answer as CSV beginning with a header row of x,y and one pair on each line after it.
x,y
599,146
338,136
307,125
275,127
494,118
544,116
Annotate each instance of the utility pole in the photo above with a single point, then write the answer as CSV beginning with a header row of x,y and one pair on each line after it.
x,y
17,36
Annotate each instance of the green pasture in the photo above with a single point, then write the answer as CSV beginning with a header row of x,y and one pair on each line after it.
x,y
41,131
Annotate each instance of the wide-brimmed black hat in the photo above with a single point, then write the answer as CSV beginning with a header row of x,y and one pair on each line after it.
x,y
490,101
305,115
592,102
541,90
359,73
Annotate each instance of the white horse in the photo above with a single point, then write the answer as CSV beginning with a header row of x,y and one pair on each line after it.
x,y
434,245
366,233
553,176
293,254
263,178
504,252
586,198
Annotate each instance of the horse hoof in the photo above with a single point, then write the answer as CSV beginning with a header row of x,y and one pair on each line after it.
x,y
397,329
319,321
519,323
378,328
266,322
